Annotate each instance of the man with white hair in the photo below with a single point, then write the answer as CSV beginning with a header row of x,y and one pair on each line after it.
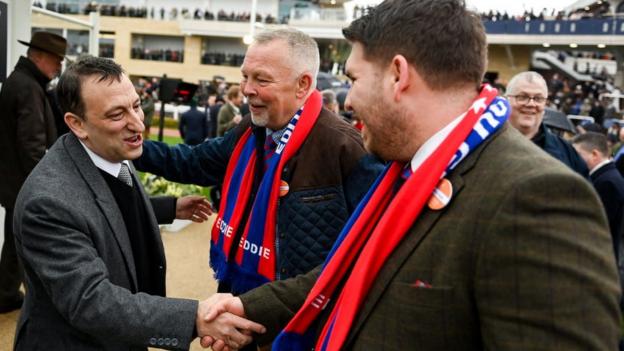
x,y
292,172
527,93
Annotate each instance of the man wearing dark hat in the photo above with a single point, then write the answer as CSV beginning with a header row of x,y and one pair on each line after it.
x,y
27,130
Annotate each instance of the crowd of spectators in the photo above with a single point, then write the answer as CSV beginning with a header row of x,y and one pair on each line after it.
x,y
526,16
107,51
103,9
581,98
599,11
77,49
157,54
359,11
596,55
119,11
595,12
220,58
207,15
581,63
154,13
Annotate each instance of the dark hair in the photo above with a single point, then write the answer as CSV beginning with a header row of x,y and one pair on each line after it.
x,y
444,41
69,85
592,141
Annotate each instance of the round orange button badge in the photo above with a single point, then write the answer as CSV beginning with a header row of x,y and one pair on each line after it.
x,y
284,188
441,196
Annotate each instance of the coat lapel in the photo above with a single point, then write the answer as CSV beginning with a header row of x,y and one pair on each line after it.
x,y
104,199
410,242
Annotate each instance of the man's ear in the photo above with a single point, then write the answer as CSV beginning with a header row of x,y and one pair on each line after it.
x,y
304,83
76,125
400,73
596,154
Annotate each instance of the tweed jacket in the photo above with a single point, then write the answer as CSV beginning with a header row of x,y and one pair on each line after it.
x,y
225,118
81,284
520,259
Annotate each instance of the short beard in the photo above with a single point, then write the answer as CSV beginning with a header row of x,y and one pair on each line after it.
x,y
260,122
392,139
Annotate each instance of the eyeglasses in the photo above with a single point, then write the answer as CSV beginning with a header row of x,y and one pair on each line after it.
x,y
525,99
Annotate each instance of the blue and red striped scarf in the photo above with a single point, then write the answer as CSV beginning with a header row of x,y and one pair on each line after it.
x,y
378,225
252,262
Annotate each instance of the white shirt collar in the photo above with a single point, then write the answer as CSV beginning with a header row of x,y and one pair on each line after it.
x,y
432,143
276,134
107,166
599,166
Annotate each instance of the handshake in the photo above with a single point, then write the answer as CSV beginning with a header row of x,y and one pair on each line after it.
x,y
221,323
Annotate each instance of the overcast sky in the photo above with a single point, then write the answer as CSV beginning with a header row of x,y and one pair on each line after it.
x,y
518,6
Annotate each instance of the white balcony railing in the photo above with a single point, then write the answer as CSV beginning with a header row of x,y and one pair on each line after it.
x,y
315,14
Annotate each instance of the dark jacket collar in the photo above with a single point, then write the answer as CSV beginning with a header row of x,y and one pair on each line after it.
x,y
548,142
541,137
27,66
602,170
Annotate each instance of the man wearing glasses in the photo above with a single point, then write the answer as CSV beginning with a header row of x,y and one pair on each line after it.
x,y
527,93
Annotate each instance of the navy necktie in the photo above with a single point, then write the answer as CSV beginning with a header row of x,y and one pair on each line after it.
x,y
269,150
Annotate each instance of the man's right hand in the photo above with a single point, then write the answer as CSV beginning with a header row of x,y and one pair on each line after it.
x,y
221,323
224,305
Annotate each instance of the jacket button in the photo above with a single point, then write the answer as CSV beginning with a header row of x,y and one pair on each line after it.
x,y
174,342
282,235
160,267
152,341
283,270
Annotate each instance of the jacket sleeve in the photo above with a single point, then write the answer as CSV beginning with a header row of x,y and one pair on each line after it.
x,y
545,273
609,194
225,119
361,178
164,208
56,245
203,164
274,304
30,128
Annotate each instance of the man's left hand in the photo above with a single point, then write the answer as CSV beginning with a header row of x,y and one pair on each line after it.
x,y
193,207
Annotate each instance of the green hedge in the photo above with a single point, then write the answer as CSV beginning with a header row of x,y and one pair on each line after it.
x,y
155,186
